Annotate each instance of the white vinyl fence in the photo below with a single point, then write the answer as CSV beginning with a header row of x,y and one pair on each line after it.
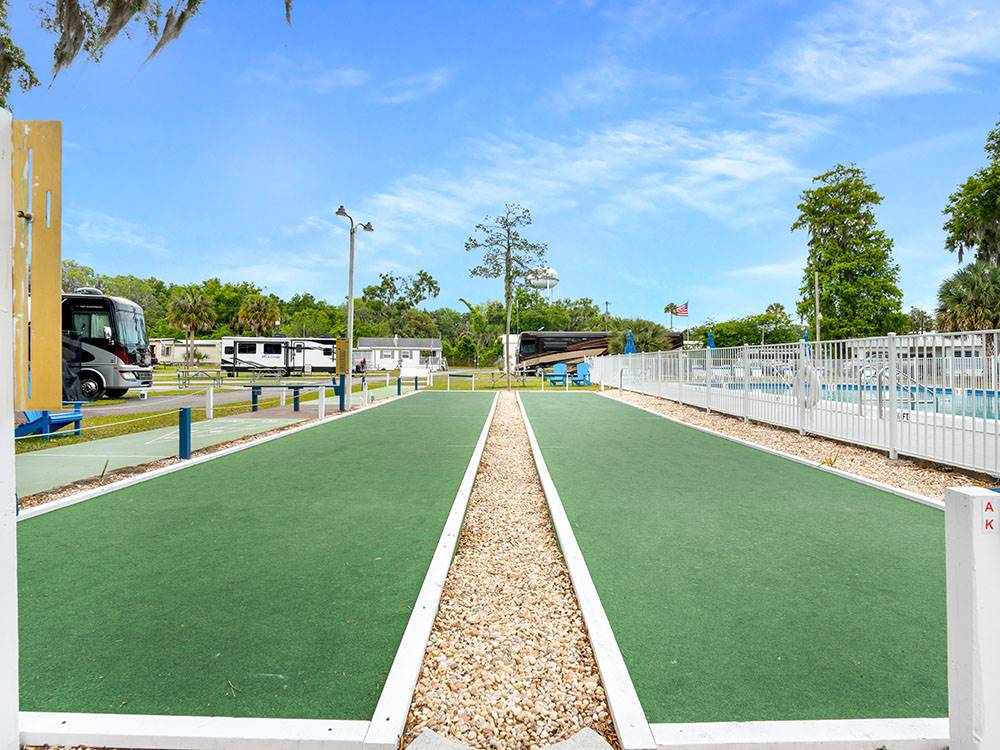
x,y
932,396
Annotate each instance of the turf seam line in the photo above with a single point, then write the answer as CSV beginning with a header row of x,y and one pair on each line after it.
x,y
138,479
188,732
838,734
389,718
627,713
905,494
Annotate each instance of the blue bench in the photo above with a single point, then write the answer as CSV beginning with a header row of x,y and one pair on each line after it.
x,y
44,422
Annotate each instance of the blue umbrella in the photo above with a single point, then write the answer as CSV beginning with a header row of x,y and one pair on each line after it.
x,y
711,340
629,344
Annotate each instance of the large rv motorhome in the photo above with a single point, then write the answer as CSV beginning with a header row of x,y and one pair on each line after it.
x,y
278,354
540,349
105,351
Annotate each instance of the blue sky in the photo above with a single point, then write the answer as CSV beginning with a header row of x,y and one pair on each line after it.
x,y
660,145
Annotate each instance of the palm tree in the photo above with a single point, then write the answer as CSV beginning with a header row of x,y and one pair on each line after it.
x,y
671,309
190,310
970,299
259,313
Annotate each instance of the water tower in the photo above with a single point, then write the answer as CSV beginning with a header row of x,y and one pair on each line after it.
x,y
543,278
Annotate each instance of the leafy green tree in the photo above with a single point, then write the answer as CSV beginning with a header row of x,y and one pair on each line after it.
x,y
418,324
308,322
973,210
648,335
449,322
191,311
774,327
463,352
969,299
13,62
76,275
506,255
259,314
227,299
921,321
858,279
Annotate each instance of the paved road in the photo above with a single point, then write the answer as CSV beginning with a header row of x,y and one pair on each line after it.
x,y
42,470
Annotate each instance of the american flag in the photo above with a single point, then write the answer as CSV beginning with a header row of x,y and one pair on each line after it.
x,y
682,310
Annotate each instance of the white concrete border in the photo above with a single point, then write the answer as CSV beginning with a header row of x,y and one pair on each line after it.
x,y
973,542
915,497
8,508
849,734
79,497
389,719
189,732
623,701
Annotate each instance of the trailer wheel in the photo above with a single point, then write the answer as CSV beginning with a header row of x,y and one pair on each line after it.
x,y
115,392
91,386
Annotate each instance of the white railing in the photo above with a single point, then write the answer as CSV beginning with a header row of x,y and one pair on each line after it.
x,y
931,396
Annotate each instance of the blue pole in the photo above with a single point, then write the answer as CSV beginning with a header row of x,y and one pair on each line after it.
x,y
184,425
343,388
295,399
399,386
416,385
254,396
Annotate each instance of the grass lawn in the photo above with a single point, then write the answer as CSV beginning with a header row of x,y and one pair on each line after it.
x,y
274,582
742,586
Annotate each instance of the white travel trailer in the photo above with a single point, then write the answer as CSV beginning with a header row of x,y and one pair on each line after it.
x,y
278,353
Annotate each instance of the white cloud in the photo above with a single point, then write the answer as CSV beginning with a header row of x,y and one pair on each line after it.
x,y
769,271
96,228
284,72
867,48
607,80
637,168
416,87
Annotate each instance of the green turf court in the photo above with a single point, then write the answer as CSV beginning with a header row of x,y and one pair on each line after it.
x,y
272,582
743,586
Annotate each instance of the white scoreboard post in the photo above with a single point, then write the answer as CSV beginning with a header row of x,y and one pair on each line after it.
x,y
972,537
8,510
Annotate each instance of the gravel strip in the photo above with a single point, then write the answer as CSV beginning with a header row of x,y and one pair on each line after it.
x,y
906,474
509,662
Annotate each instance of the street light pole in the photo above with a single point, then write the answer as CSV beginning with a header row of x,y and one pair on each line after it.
x,y
350,301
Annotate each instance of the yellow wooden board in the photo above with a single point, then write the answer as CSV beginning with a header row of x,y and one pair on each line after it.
x,y
342,367
37,193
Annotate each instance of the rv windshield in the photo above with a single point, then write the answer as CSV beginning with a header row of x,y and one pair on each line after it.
x,y
131,326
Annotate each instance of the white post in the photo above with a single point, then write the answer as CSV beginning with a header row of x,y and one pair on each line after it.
x,y
972,540
386,378
448,381
892,425
542,375
708,381
281,397
364,392
9,739
746,383
210,402
473,380
322,402
801,387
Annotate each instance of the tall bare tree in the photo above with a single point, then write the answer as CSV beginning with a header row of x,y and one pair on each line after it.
x,y
505,255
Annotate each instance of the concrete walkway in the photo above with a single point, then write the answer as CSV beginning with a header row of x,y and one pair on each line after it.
x,y
46,469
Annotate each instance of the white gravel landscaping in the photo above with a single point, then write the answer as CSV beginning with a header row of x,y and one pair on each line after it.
x,y
902,473
508,663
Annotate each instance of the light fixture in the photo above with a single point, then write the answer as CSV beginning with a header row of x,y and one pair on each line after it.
x,y
368,227
341,211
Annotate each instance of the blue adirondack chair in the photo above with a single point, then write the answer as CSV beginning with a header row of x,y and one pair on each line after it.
x,y
582,376
558,375
44,422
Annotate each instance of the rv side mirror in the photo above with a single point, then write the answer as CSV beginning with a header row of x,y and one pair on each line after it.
x,y
107,333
